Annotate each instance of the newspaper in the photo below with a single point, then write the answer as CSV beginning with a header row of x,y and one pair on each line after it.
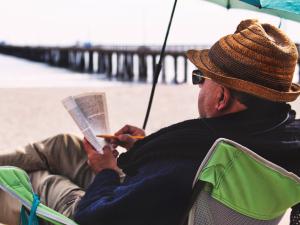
x,y
89,111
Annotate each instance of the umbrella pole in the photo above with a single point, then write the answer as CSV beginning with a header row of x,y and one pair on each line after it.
x,y
158,67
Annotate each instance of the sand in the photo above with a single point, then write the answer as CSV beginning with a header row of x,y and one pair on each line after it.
x,y
29,114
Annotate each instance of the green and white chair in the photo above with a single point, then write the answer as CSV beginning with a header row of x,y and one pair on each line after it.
x,y
235,186
16,182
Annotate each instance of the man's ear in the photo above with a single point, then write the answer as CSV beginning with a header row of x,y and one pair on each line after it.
x,y
224,98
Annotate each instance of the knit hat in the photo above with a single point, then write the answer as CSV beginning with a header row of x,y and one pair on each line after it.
x,y
258,59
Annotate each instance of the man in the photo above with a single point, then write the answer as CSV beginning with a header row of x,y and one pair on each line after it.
x,y
245,80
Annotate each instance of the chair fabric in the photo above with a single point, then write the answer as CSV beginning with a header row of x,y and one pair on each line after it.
x,y
242,188
16,182
209,211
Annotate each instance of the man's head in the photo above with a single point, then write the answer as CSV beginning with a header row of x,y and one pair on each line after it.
x,y
216,100
258,60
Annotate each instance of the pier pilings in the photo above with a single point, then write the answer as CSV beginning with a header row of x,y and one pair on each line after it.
x,y
124,63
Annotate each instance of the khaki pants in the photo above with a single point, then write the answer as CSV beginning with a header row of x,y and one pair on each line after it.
x,y
58,171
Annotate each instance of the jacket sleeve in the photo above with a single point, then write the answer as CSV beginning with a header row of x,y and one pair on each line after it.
x,y
162,195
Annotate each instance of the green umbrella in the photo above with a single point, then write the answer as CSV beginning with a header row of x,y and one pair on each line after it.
x,y
287,9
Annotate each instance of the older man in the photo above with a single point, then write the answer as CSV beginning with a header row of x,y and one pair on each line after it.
x,y
245,80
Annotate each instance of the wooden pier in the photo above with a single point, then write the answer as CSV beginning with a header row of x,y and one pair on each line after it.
x,y
126,63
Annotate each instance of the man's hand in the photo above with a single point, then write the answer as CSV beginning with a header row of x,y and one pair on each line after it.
x,y
99,162
124,138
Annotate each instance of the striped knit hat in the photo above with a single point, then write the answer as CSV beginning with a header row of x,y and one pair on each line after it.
x,y
258,59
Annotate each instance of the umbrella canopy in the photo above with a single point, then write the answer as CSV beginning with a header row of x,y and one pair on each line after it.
x,y
287,9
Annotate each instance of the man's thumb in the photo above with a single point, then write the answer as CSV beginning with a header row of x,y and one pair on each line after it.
x,y
125,138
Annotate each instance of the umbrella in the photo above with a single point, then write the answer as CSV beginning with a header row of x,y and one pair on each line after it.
x,y
287,9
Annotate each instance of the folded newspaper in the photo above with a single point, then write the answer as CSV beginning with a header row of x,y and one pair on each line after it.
x,y
89,111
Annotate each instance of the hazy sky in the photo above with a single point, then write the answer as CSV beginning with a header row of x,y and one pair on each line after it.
x,y
64,22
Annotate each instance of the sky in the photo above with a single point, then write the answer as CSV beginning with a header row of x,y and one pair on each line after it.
x,y
122,22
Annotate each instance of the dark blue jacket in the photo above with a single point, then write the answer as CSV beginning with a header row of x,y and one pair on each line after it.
x,y
160,168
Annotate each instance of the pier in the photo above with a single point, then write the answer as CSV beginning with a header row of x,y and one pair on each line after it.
x,y
125,63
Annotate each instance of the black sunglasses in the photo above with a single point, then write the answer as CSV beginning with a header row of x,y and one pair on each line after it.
x,y
198,77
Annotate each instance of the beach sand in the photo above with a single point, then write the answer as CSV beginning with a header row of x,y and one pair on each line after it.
x,y
30,114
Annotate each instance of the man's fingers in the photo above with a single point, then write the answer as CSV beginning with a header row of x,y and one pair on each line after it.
x,y
86,145
124,130
115,153
107,148
121,139
114,145
89,149
113,141
107,151
131,130
125,138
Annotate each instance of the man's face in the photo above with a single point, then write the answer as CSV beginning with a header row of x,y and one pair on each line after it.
x,y
208,99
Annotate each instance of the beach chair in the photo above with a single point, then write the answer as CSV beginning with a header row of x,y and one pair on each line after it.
x,y
235,186
16,182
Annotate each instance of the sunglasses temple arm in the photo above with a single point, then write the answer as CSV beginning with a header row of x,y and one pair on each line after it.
x,y
158,67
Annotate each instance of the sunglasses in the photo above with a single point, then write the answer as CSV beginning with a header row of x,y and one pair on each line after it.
x,y
198,77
